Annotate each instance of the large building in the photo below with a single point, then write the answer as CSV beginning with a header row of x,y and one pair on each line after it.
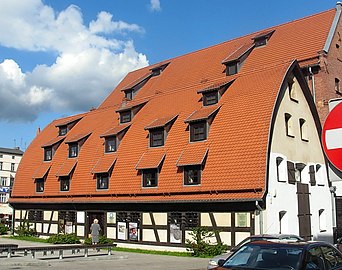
x,y
227,137
9,161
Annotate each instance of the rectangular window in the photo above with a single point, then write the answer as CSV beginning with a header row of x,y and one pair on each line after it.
x,y
337,86
1,164
280,170
129,94
312,173
3,198
110,144
47,153
150,178
289,125
13,157
125,117
157,137
231,68
73,150
192,175
39,185
198,131
12,167
64,183
303,130
191,220
3,181
291,172
210,98
63,130
1,155
102,180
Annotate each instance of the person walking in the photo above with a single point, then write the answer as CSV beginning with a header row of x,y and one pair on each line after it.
x,y
95,231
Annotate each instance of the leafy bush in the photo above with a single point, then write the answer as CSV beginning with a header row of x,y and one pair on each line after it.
x,y
25,230
64,239
200,245
102,240
3,229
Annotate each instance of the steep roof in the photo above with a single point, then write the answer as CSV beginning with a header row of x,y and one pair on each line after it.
x,y
235,152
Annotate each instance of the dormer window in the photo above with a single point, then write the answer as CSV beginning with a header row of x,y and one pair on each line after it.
x,y
198,131
231,68
200,121
159,129
125,116
129,94
150,177
47,153
212,94
157,70
73,150
235,60
210,98
63,130
262,38
157,137
110,144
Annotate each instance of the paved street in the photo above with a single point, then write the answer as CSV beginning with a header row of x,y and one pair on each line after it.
x,y
117,261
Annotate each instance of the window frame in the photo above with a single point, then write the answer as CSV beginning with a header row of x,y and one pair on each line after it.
x,y
125,116
157,142
232,68
303,130
102,177
40,185
72,146
63,130
12,167
289,125
194,134
192,168
1,165
64,183
46,151
210,98
108,148
129,94
154,181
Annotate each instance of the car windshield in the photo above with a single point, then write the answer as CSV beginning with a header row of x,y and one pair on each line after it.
x,y
265,257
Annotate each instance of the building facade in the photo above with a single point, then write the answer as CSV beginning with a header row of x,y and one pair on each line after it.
x,y
227,137
9,161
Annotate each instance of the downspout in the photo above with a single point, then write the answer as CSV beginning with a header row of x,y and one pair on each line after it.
x,y
312,84
261,217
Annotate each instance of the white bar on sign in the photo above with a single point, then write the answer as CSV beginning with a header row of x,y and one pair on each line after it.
x,y
333,138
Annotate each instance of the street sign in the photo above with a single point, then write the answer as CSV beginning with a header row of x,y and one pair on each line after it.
x,y
332,136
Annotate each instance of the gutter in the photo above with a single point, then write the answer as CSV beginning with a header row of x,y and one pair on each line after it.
x,y
333,27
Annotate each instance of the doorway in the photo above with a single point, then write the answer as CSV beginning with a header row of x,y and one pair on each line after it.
x,y
100,216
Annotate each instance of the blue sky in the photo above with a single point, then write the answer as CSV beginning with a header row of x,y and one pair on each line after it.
x,y
59,58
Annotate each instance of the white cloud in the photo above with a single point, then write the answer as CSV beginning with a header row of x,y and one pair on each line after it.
x,y
89,62
155,5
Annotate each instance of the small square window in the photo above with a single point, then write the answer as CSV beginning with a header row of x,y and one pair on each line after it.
x,y
40,185
198,131
102,180
125,117
47,153
73,150
231,68
129,94
192,175
337,86
210,98
12,167
150,178
63,130
13,157
110,144
1,155
1,164
157,137
64,183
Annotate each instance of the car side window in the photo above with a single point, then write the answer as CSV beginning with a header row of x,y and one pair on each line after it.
x,y
314,259
331,257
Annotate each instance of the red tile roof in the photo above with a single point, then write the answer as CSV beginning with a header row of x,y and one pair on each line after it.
x,y
77,137
115,130
151,159
105,163
42,170
235,164
161,122
238,53
67,167
69,120
202,114
193,154
53,141
131,104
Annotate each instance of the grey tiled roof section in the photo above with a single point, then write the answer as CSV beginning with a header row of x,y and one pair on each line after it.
x,y
13,151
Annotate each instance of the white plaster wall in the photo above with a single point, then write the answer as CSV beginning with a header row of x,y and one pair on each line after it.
x,y
162,235
111,232
148,235
80,231
54,229
282,195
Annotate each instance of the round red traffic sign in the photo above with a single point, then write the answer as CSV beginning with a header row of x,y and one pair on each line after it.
x,y
332,136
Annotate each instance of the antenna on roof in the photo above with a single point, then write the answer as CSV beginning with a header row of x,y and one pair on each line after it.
x,y
15,143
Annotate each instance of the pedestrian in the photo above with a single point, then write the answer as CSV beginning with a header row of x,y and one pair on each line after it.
x,y
95,231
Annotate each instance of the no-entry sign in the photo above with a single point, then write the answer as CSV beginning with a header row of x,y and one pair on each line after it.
x,y
332,136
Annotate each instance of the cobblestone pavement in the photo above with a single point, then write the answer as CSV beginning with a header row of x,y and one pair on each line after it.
x,y
101,261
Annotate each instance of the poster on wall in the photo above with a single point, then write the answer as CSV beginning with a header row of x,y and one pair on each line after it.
x,y
241,219
133,231
80,217
175,233
68,227
122,231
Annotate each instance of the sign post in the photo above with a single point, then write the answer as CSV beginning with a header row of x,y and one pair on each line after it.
x,y
332,136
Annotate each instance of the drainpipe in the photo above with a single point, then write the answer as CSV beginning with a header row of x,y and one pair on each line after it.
x,y
312,84
261,216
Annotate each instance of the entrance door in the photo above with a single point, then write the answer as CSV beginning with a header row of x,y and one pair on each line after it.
x,y
100,216
304,216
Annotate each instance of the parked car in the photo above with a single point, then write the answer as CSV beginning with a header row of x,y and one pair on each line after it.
x,y
213,263
338,244
274,254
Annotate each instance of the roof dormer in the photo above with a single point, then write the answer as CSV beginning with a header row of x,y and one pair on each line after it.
x,y
212,94
66,126
129,110
235,60
262,38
